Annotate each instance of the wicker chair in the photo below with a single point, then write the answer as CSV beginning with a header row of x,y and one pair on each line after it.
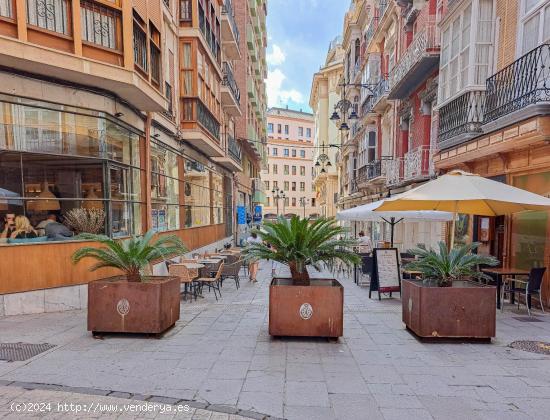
x,y
231,269
212,282
186,278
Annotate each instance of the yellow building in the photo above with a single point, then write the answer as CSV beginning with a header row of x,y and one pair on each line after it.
x,y
323,97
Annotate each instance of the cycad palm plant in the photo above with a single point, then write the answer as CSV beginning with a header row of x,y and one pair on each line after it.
x,y
301,242
445,266
131,255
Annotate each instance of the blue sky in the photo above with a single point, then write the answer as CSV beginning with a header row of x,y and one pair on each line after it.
x,y
299,32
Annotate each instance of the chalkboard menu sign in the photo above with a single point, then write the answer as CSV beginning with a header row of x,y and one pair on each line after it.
x,y
386,277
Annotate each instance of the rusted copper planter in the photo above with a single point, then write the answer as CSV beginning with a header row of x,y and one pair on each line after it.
x,y
465,310
116,305
309,310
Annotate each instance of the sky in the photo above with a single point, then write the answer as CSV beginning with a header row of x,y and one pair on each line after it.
x,y
298,35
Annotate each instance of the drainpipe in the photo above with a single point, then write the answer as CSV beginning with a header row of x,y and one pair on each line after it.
x,y
148,208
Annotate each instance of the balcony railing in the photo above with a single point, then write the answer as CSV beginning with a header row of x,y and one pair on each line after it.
x,y
356,128
418,163
229,81
234,149
394,171
462,115
207,120
524,82
380,90
371,29
227,9
425,43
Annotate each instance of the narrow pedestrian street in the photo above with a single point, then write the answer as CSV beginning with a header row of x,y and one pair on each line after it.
x,y
219,357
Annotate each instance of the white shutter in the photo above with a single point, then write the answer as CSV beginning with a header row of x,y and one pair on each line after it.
x,y
530,33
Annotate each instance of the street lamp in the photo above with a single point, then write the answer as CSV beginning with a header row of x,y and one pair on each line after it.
x,y
344,105
278,195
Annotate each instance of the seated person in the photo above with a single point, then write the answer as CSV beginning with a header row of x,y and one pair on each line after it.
x,y
365,244
53,229
8,226
23,229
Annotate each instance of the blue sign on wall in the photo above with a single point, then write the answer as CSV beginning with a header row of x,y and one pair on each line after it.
x,y
241,215
257,214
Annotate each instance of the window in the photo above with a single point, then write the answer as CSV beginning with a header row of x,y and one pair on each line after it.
x,y
293,170
301,131
286,201
275,185
312,188
285,186
285,152
466,51
267,168
6,8
286,129
154,51
302,170
275,170
535,24
286,170
185,10
99,24
268,201
293,201
275,151
313,202
308,132
302,153
279,128
270,128
52,15
371,146
140,48
302,186
267,185
293,152
293,186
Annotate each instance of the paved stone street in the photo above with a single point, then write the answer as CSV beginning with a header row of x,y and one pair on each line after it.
x,y
220,357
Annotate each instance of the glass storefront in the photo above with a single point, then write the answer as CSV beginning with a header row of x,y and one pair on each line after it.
x,y
52,161
165,182
531,230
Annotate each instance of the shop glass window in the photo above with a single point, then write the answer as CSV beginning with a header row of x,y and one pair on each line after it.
x,y
6,8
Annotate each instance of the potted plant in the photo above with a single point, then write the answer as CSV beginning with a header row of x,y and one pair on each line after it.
x,y
300,305
447,303
132,302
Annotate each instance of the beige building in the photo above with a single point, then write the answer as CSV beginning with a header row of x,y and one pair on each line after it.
x,y
290,171
323,98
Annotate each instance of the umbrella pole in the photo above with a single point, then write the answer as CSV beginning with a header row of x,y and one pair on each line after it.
x,y
453,226
392,224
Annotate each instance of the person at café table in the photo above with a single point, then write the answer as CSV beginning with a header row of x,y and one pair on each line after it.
x,y
23,229
53,229
365,244
9,225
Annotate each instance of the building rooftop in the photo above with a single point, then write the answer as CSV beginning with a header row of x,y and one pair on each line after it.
x,y
286,112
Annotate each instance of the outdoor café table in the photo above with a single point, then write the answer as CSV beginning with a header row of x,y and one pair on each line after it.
x,y
218,257
501,272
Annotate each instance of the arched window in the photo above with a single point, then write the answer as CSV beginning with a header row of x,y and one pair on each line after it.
x,y
357,50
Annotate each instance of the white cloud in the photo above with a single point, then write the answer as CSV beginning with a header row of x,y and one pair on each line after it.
x,y
276,56
276,95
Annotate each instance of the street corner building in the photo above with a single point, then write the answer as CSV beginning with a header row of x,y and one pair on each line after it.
x,y
426,87
131,108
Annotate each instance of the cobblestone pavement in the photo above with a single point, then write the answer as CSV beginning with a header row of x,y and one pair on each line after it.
x,y
220,355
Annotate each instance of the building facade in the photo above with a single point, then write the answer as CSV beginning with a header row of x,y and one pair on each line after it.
x,y
323,97
391,55
494,116
120,106
250,18
290,170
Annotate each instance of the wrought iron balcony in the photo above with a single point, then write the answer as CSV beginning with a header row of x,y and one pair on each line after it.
x,y
382,7
394,171
523,83
229,81
379,92
234,149
419,61
418,164
356,128
461,119
369,33
229,31
207,120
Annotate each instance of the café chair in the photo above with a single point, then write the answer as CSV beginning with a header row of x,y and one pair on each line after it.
x,y
531,286
186,278
231,269
212,282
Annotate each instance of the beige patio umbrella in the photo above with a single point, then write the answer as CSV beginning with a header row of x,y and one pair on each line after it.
x,y
466,193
